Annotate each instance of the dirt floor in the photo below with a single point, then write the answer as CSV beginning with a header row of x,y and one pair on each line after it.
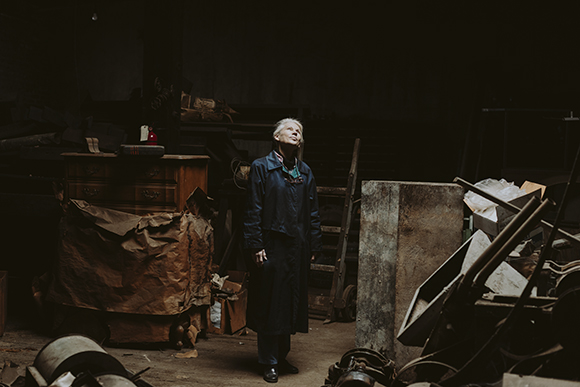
x,y
222,360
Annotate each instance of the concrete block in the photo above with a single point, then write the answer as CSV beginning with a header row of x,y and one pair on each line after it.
x,y
408,230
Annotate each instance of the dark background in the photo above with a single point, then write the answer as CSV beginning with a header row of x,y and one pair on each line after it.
x,y
433,89
414,75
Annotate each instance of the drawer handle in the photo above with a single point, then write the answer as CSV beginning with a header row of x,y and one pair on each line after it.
x,y
152,173
90,192
151,195
90,170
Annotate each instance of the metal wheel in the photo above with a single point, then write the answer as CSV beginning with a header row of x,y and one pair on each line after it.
x,y
348,313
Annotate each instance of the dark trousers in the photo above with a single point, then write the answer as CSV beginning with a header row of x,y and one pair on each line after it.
x,y
272,349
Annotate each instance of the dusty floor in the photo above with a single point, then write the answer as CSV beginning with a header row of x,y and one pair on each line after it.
x,y
223,360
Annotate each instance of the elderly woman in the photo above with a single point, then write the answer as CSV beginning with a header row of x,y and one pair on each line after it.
x,y
282,233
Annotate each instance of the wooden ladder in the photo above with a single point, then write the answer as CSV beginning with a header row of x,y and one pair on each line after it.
x,y
339,298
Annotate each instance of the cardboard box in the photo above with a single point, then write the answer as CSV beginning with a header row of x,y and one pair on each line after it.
x,y
504,216
233,313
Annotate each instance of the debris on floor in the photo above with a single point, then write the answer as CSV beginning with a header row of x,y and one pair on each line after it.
x,y
187,355
12,374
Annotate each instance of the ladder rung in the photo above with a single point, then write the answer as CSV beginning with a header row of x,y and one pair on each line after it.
x,y
330,229
333,191
327,268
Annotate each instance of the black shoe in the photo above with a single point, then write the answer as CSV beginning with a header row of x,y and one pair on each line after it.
x,y
271,373
287,368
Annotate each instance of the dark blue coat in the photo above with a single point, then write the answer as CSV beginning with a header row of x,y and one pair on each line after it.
x,y
281,217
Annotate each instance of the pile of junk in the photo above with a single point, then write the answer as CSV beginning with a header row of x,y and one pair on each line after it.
x,y
469,335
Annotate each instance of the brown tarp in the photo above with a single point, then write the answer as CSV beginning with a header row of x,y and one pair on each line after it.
x,y
119,262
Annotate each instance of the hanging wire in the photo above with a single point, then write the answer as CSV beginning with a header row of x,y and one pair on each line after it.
x,y
236,167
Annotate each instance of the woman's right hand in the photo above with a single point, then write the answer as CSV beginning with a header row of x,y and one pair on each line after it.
x,y
260,257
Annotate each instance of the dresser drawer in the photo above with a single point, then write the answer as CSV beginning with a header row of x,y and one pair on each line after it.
x,y
150,172
122,171
88,169
95,192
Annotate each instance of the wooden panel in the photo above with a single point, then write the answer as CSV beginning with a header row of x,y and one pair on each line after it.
x,y
194,175
237,311
394,262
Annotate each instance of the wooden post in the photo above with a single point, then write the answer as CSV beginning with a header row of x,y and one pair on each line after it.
x,y
407,231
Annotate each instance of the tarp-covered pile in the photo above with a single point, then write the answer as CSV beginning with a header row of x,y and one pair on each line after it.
x,y
120,262
114,261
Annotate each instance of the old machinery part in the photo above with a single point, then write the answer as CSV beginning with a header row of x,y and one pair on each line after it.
x,y
566,319
432,366
361,367
103,380
76,354
530,364
558,269
355,379
348,313
569,280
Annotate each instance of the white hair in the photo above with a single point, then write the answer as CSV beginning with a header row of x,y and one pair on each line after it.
x,y
280,125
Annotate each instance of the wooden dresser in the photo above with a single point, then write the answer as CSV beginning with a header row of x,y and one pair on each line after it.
x,y
135,184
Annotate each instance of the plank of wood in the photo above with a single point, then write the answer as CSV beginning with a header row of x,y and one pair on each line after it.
x,y
330,229
326,268
336,191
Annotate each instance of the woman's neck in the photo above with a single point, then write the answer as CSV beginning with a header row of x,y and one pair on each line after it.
x,y
287,151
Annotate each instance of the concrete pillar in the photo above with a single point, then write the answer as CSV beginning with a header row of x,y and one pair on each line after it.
x,y
407,231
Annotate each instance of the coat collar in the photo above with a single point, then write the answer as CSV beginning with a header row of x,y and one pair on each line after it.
x,y
272,162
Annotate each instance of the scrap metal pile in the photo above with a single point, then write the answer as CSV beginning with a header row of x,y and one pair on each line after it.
x,y
472,336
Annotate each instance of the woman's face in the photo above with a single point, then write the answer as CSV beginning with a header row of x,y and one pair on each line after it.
x,y
290,135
